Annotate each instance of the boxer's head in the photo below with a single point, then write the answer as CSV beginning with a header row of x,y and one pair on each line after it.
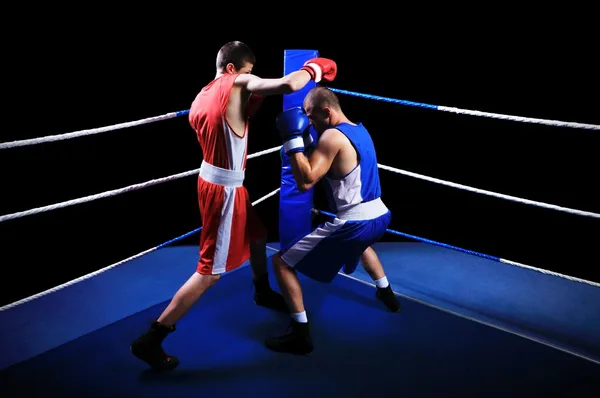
x,y
322,107
235,57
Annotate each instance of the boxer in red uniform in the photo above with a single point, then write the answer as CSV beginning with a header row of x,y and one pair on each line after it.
x,y
232,232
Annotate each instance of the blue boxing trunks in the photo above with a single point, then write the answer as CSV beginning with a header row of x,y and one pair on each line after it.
x,y
339,243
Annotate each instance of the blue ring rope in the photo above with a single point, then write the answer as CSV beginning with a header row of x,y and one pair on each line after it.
x,y
417,238
391,231
385,99
167,243
555,123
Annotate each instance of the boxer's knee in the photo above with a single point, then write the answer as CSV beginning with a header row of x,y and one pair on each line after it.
x,y
208,280
278,264
213,279
277,261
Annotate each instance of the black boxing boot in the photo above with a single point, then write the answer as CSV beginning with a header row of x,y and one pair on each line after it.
x,y
386,294
267,297
297,342
148,347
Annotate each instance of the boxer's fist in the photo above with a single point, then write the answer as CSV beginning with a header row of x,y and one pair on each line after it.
x,y
253,104
321,69
291,124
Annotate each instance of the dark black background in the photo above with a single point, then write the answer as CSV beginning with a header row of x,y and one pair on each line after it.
x,y
70,76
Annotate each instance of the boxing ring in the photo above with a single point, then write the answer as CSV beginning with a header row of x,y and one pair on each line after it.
x,y
499,337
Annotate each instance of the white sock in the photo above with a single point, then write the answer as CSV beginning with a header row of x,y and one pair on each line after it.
x,y
382,283
300,317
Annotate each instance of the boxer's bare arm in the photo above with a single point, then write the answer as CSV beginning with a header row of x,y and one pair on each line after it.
x,y
309,170
284,85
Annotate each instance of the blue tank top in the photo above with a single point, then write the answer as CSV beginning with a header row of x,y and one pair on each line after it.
x,y
362,183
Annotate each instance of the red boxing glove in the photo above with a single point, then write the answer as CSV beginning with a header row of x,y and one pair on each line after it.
x,y
253,104
321,69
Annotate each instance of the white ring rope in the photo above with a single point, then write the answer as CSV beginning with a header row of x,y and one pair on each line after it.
x,y
170,115
82,133
274,149
196,171
489,193
191,172
115,192
551,273
554,123
92,274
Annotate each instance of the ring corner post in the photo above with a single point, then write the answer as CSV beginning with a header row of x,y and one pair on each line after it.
x,y
295,219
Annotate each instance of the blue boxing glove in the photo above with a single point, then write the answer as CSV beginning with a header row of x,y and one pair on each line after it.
x,y
309,142
292,123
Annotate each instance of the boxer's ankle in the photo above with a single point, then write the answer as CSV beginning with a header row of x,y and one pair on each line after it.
x,y
265,296
297,341
148,347
388,297
261,282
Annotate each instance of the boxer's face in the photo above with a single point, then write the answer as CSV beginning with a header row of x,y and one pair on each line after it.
x,y
319,118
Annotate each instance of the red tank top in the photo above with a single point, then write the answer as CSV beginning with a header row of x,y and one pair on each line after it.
x,y
221,147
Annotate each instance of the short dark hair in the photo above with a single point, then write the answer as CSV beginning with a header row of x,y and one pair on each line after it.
x,y
235,52
321,97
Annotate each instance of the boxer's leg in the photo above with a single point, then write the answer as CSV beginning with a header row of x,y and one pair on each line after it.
x,y
290,288
317,255
373,267
148,346
263,294
258,260
371,232
257,233
298,341
186,297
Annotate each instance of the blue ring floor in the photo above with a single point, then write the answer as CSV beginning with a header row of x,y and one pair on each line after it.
x,y
469,326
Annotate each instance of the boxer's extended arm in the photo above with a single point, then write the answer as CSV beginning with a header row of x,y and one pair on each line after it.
x,y
309,170
317,69
285,85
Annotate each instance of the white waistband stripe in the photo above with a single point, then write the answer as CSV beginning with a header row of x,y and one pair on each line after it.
x,y
363,211
219,176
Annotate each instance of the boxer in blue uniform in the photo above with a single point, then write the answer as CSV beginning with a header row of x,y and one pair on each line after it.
x,y
345,157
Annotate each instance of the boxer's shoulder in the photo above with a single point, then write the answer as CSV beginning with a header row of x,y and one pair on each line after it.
x,y
333,138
